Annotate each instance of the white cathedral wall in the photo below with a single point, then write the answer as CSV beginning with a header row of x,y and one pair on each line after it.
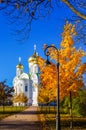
x,y
26,82
32,90
33,68
19,87
35,96
19,71
30,67
22,81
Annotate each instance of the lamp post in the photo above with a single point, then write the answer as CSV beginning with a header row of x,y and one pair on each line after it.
x,y
71,121
46,52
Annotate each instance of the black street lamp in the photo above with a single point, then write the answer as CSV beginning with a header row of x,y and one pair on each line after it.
x,y
71,120
46,52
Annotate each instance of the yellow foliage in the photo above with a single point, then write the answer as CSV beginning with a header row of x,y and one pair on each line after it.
x,y
20,98
70,69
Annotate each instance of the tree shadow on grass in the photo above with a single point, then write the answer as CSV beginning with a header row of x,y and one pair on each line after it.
x,y
23,112
65,124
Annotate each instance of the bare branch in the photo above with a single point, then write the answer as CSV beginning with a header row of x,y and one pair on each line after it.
x,y
21,13
74,9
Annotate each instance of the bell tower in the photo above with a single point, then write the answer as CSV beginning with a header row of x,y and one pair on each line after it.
x,y
34,71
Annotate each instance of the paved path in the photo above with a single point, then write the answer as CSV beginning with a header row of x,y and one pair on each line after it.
x,y
26,120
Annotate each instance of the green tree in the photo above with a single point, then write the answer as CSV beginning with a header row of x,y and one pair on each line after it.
x,y
81,101
78,103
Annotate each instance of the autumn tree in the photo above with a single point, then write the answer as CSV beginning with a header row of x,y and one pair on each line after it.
x,y
20,98
71,67
78,103
23,12
6,94
47,87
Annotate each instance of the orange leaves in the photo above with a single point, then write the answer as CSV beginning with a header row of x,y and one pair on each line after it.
x,y
81,69
46,95
48,79
70,69
47,76
69,32
41,62
70,62
20,98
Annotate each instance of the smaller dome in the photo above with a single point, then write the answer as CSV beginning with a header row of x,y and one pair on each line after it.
x,y
20,66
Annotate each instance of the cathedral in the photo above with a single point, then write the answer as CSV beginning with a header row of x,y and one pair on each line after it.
x,y
27,83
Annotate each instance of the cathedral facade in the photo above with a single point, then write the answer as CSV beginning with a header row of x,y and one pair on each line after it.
x,y
27,83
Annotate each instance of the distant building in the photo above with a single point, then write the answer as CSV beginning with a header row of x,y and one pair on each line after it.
x,y
27,83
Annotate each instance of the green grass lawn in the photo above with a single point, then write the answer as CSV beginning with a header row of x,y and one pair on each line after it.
x,y
9,110
79,123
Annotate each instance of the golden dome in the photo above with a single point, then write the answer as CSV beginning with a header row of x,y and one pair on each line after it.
x,y
33,58
20,66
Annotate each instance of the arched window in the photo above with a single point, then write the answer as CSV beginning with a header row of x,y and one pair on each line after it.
x,y
26,88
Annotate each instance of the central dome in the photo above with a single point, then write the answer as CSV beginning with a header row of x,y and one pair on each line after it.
x,y
33,58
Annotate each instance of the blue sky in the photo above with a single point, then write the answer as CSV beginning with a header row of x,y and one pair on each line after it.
x,y
47,30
